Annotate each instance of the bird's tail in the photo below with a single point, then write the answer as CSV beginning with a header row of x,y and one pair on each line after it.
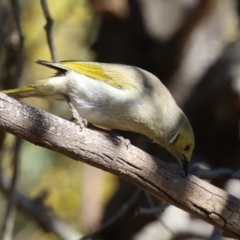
x,y
47,88
23,92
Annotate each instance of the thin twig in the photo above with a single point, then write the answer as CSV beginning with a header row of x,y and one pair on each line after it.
x,y
9,218
210,174
154,210
115,217
151,204
49,30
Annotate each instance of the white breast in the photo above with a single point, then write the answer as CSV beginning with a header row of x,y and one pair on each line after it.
x,y
100,103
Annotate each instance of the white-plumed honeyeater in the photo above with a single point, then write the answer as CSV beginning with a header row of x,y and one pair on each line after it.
x,y
118,96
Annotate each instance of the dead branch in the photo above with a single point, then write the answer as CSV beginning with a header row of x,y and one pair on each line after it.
x,y
167,183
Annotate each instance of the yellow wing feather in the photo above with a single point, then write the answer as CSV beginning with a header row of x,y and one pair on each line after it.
x,y
92,70
110,75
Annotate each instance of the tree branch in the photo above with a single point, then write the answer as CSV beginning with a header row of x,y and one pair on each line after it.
x,y
191,194
49,30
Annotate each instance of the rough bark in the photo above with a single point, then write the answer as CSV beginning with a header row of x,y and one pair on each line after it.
x,y
163,180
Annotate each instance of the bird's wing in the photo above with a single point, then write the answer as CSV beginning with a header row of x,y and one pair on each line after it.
x,y
107,73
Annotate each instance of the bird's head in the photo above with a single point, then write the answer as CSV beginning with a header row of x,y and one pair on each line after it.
x,y
181,144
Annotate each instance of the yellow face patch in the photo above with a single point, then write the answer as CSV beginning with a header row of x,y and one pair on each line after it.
x,y
185,143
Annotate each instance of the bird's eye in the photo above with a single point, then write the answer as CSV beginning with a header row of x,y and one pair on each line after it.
x,y
187,148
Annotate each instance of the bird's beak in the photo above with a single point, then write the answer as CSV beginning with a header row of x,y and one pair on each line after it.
x,y
185,165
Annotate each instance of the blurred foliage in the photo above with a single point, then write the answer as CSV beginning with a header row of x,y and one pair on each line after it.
x,y
192,46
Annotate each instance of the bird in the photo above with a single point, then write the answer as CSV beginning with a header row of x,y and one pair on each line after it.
x,y
117,96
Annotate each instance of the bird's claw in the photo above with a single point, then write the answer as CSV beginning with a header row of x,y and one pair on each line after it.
x,y
81,122
120,138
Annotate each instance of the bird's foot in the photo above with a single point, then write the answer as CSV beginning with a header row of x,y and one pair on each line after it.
x,y
75,115
81,122
120,138
113,134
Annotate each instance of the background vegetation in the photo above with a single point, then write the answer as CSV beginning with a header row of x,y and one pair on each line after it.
x,y
192,46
